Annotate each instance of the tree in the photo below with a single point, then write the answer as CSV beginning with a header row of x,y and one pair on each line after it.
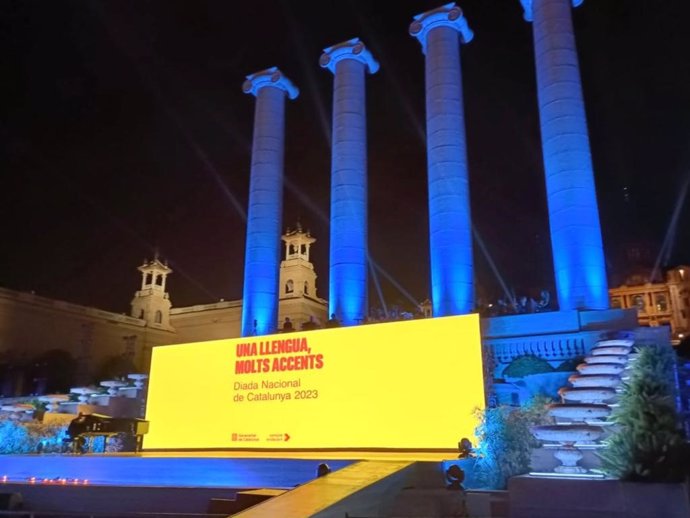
x,y
648,444
52,371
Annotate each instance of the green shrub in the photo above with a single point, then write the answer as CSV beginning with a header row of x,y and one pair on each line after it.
x,y
506,442
570,365
39,405
525,365
648,444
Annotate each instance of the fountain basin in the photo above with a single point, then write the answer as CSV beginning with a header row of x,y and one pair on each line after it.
x,y
579,411
53,401
84,393
113,386
594,380
609,350
138,379
607,358
601,368
625,342
567,433
19,408
587,394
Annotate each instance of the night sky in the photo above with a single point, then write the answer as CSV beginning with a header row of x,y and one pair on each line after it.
x,y
123,128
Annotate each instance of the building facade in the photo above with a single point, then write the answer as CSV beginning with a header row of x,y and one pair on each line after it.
x,y
297,300
664,303
33,327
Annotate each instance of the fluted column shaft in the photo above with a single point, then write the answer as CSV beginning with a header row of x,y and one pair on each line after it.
x,y
578,255
450,224
348,295
264,214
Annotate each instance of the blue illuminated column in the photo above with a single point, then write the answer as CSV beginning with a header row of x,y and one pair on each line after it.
x,y
441,31
262,252
578,255
348,61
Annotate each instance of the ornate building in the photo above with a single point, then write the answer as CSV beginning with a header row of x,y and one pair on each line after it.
x,y
297,299
152,303
658,303
33,327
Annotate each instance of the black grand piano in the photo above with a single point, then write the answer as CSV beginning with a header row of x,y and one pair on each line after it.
x,y
88,426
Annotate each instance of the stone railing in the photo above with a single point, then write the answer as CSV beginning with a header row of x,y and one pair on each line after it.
x,y
205,307
552,348
44,302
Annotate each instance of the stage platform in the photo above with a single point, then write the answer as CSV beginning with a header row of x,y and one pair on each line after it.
x,y
185,481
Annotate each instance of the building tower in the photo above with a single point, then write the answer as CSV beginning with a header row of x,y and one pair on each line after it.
x,y
441,31
262,253
297,275
578,253
152,303
348,62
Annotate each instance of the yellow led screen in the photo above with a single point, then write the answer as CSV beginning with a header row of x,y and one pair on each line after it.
x,y
412,384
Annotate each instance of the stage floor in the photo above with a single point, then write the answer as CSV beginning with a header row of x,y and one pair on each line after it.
x,y
218,469
162,471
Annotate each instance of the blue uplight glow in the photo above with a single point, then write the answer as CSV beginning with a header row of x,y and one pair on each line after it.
x,y
348,61
264,214
578,254
440,32
165,471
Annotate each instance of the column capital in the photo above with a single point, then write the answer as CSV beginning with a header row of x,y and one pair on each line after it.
x,y
270,77
527,6
350,49
448,15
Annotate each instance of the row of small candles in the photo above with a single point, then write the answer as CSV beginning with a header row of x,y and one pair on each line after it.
x,y
55,481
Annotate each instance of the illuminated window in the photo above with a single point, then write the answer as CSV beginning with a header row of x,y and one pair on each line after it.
x,y
638,301
159,317
661,303
289,286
